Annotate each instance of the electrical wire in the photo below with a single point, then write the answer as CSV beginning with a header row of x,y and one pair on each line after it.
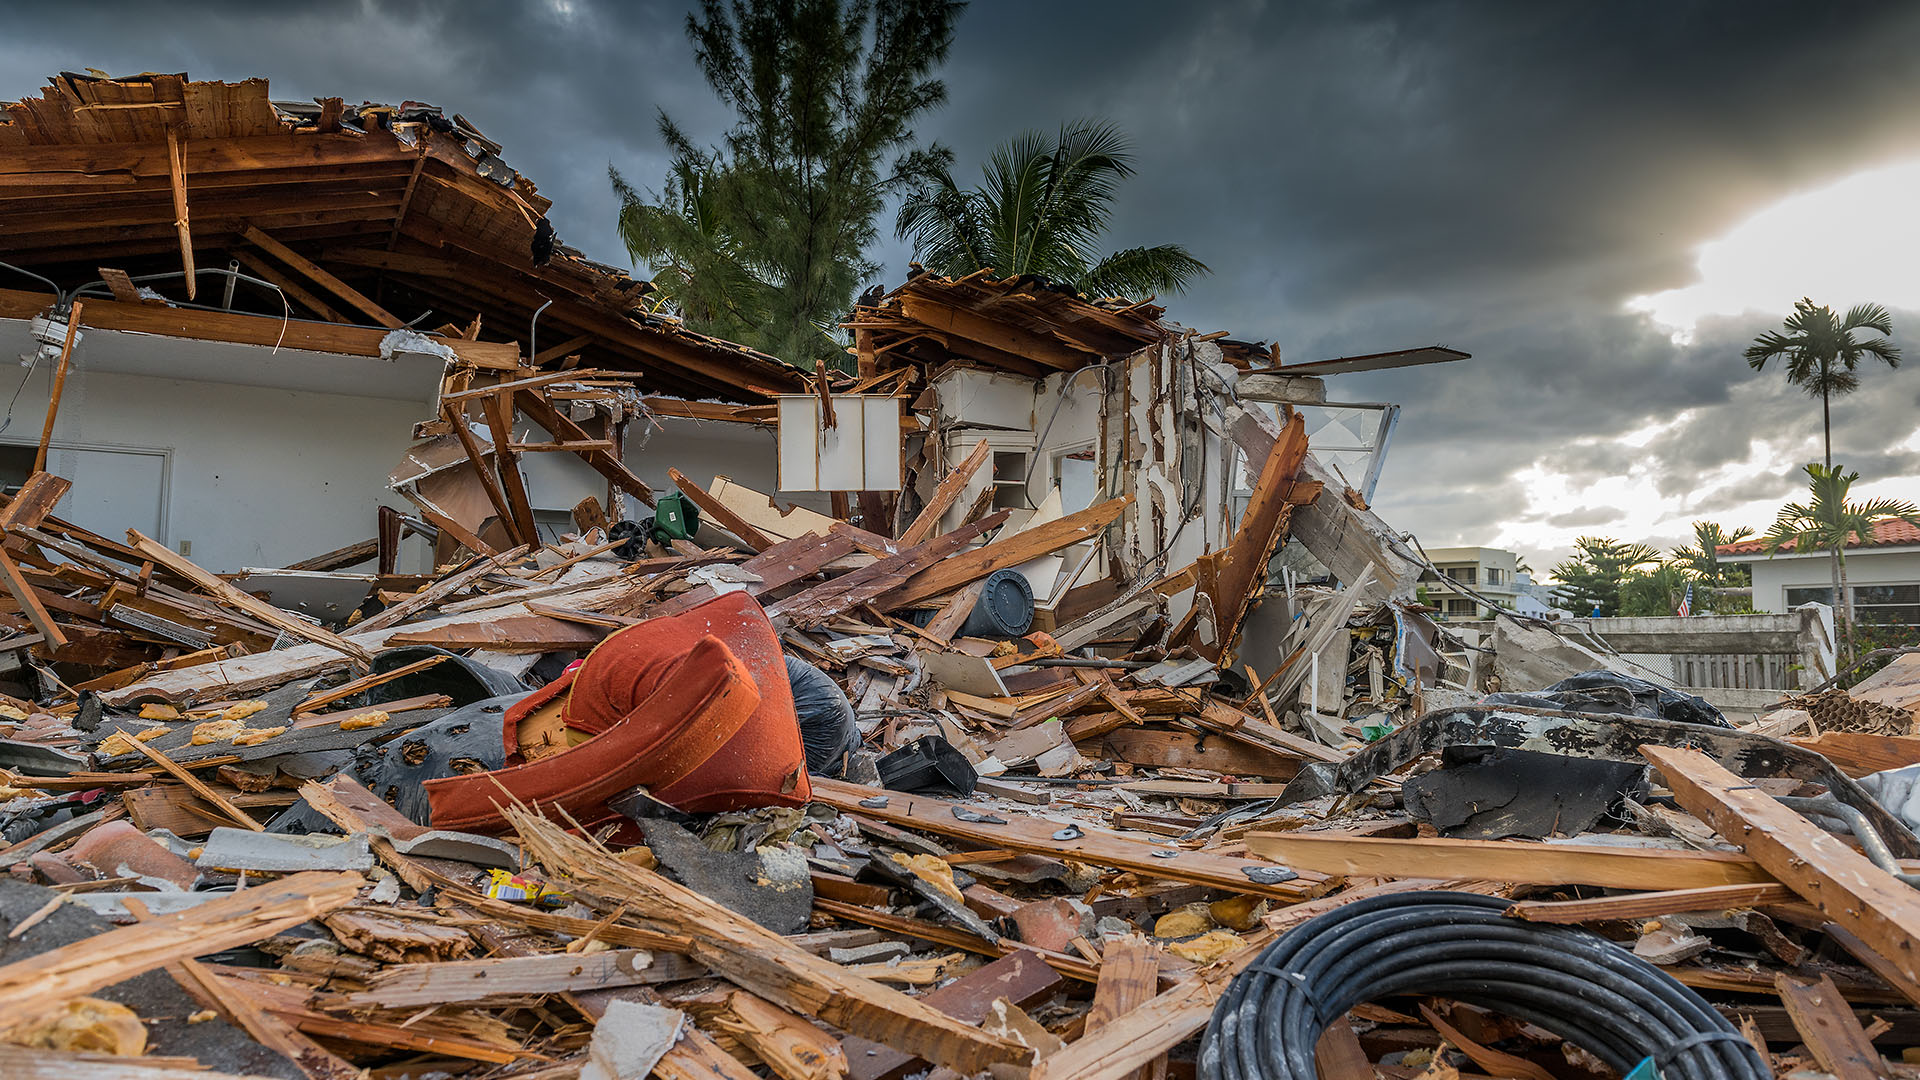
x,y
1575,984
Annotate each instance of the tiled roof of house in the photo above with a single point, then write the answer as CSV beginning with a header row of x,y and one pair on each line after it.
x,y
1886,533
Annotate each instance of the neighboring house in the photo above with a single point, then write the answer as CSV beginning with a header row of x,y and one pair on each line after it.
x,y
1492,572
1883,573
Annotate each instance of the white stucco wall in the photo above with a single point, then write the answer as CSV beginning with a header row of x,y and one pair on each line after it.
x,y
265,457
1773,577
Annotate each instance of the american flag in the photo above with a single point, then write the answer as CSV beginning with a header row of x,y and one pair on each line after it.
x,y
1686,602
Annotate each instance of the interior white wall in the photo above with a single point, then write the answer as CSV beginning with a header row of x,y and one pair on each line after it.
x,y
700,449
258,477
269,462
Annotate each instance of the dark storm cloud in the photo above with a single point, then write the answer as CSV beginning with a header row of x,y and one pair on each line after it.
x,y
1364,175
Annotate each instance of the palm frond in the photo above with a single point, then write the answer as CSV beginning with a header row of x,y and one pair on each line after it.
x,y
1142,271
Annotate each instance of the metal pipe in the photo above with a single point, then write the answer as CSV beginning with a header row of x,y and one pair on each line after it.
x,y
1856,823
533,333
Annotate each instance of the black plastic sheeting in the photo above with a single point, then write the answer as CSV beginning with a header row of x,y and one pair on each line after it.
x,y
463,679
1612,692
827,727
466,740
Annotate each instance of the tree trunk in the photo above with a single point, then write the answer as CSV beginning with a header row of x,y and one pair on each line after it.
x,y
1842,601
1826,425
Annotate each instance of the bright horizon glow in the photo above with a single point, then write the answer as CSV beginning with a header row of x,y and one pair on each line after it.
x,y
1848,243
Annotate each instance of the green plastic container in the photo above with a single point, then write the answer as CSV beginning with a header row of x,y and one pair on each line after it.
x,y
675,517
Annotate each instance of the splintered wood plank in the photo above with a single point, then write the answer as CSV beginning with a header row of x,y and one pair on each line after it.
x,y
1858,753
1021,977
1648,904
1843,884
199,787
315,1061
1012,551
1129,978
1506,860
409,985
29,601
1827,1024
1234,576
945,494
1034,835
436,592
778,566
850,590
527,633
720,512
753,957
45,981
789,1045
32,1063
177,180
161,555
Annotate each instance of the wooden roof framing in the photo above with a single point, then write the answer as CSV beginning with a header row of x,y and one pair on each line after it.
x,y
311,198
1021,325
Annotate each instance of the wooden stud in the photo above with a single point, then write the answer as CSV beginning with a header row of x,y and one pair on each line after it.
x,y
213,798
489,480
499,410
1649,904
29,600
944,495
177,179
59,386
1505,860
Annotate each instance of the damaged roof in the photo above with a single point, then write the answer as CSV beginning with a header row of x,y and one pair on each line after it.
x,y
413,211
1027,325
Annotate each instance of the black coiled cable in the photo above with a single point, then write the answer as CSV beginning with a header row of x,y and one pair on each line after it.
x,y
1577,985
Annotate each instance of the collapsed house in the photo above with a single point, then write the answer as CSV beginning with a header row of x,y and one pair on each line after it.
x,y
1039,698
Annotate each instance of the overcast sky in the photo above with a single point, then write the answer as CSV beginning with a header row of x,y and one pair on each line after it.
x,y
1503,178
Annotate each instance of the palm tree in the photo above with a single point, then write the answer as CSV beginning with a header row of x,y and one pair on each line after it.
x,y
1042,210
1822,355
1702,561
1828,521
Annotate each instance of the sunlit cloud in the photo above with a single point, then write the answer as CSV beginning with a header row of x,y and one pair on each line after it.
x,y
1844,244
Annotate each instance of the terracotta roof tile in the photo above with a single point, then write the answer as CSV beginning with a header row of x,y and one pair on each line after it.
x,y
1894,531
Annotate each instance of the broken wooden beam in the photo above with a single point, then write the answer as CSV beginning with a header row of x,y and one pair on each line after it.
x,y
1846,887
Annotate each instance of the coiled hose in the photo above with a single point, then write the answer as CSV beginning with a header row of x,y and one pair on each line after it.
x,y
1577,985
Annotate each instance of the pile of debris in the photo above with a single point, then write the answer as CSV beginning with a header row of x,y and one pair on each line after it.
x,y
1161,774
790,814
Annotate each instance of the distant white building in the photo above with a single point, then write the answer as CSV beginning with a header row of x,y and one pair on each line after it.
x,y
1883,574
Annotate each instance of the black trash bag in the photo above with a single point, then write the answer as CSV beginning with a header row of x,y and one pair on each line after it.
x,y
1611,692
826,718
929,765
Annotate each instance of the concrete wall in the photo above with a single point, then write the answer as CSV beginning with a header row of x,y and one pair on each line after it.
x,y
1773,577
